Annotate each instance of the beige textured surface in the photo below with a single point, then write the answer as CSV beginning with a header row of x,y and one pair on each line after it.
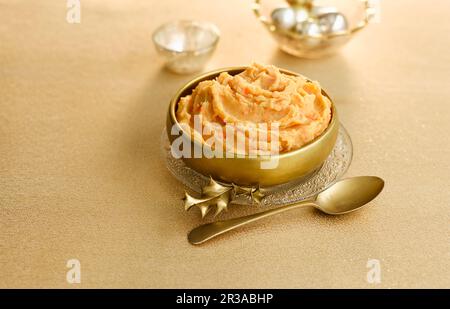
x,y
81,112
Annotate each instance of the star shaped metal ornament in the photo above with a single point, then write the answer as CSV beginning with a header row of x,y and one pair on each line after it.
x,y
213,188
220,195
258,195
212,194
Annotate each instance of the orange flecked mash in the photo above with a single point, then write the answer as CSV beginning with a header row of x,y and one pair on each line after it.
x,y
259,95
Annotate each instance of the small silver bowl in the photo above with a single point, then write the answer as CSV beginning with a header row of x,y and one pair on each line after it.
x,y
186,45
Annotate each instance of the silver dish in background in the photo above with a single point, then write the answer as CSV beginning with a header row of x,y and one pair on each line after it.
x,y
308,29
186,46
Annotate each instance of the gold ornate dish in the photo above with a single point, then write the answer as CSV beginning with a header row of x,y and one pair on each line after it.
x,y
247,171
305,28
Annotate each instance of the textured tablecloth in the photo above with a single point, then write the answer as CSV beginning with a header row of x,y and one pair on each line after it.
x,y
82,108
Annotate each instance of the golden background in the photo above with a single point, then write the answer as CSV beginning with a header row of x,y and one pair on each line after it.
x,y
82,108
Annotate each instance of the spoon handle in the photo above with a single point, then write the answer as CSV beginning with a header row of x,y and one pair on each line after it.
x,y
207,231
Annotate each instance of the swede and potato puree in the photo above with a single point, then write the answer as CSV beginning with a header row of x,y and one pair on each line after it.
x,y
259,95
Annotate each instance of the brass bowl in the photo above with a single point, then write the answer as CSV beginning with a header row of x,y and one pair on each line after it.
x,y
247,171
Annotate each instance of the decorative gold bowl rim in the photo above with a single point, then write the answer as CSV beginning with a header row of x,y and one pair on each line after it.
x,y
205,76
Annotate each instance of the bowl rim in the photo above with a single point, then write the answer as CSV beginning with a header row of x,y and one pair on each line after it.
x,y
205,25
175,99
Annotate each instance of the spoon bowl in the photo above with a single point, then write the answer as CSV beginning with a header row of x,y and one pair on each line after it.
x,y
349,194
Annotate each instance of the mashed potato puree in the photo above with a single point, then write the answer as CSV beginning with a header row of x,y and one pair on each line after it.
x,y
259,95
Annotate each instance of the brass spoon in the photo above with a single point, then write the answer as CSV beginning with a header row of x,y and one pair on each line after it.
x,y
343,197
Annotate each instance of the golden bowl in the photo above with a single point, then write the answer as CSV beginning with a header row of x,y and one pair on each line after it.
x,y
247,171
